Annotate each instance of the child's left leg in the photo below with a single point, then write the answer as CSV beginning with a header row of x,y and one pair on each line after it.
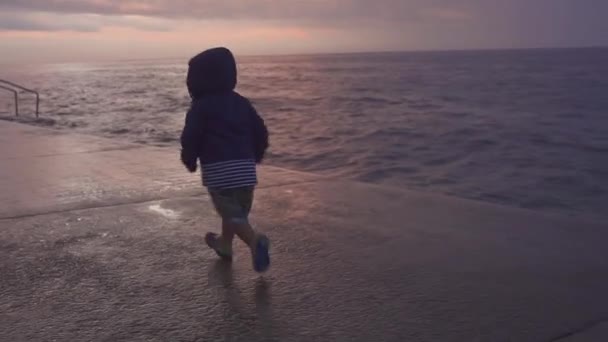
x,y
223,244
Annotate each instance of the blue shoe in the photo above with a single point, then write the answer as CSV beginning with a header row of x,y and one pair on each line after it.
x,y
261,255
213,242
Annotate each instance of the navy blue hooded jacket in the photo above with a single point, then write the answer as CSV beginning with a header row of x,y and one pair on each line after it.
x,y
221,125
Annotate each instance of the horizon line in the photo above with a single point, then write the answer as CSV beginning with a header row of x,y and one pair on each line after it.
x,y
361,52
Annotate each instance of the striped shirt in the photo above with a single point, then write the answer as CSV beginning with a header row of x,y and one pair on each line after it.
x,y
230,174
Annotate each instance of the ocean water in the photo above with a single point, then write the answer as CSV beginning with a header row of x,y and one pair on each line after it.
x,y
525,128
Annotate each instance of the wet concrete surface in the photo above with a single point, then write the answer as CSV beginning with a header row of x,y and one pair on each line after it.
x,y
351,261
46,171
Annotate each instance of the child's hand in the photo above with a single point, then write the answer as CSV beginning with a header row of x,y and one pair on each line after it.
x,y
188,161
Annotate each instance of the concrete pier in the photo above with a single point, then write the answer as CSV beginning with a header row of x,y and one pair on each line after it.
x,y
103,241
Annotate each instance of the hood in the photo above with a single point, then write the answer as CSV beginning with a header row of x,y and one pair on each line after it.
x,y
211,71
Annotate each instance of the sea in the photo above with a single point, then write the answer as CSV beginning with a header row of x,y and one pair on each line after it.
x,y
522,128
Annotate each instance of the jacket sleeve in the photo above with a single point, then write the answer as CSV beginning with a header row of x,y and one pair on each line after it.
x,y
260,136
191,139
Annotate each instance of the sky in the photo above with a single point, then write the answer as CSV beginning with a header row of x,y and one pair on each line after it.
x,y
95,30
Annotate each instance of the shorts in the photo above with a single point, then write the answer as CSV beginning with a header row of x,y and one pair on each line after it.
x,y
233,204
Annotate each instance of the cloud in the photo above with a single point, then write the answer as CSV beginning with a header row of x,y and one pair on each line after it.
x,y
32,22
327,11
51,22
165,15
447,14
160,27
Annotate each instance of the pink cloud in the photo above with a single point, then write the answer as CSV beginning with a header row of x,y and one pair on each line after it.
x,y
447,13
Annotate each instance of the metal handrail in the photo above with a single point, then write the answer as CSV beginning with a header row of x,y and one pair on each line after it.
x,y
15,85
16,98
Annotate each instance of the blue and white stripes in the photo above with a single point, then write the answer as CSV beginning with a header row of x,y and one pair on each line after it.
x,y
230,174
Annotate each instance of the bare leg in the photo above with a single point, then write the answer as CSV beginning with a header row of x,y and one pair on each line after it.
x,y
258,244
227,233
243,230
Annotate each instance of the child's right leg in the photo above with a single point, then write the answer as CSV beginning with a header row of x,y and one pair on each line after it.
x,y
258,243
227,233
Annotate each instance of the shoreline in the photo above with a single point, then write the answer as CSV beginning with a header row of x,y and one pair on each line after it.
x,y
49,123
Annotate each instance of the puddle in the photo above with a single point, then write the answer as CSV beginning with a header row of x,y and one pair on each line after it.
x,y
163,211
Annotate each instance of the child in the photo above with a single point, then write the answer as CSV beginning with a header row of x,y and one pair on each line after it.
x,y
226,134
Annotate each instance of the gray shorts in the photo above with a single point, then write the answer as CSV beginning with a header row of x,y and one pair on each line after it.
x,y
233,204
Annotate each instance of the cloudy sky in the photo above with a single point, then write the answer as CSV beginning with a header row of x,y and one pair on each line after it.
x,y
83,30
